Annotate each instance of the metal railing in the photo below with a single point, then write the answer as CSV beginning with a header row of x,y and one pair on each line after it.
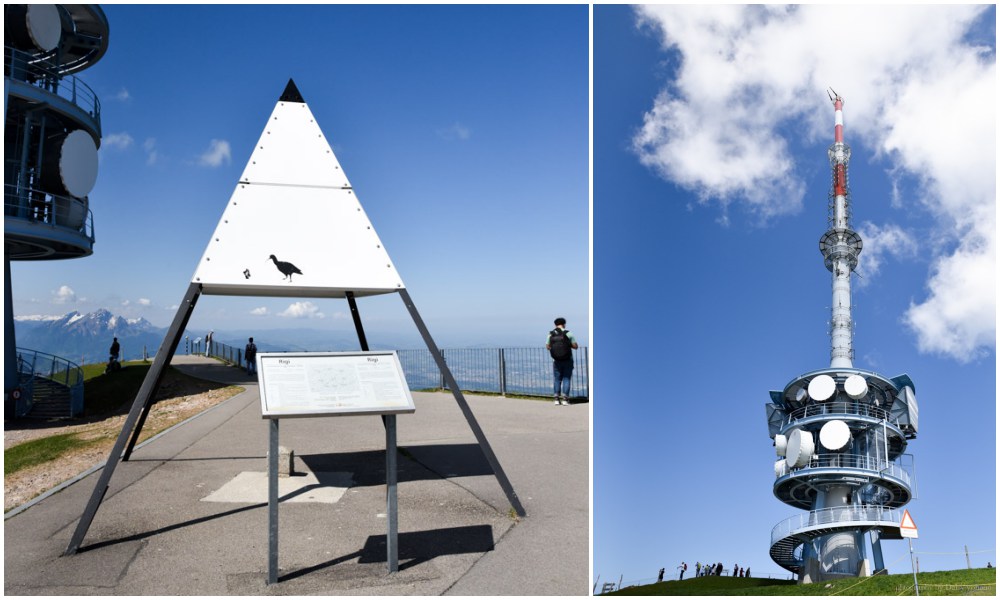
x,y
836,516
518,371
45,75
853,461
838,408
43,207
32,364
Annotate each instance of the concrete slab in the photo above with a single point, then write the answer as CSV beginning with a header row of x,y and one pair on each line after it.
x,y
250,487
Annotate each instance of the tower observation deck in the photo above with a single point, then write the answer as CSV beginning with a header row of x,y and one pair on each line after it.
x,y
840,433
52,130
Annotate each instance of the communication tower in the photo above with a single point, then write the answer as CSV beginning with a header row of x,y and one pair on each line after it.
x,y
840,433
52,129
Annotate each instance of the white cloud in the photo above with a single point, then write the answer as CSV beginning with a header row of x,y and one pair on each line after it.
x,y
918,93
218,153
879,242
302,310
117,141
259,311
144,302
151,153
64,295
455,132
123,95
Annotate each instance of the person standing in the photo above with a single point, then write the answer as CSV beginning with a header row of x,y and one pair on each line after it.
x,y
115,350
560,345
682,568
697,569
659,577
208,343
251,355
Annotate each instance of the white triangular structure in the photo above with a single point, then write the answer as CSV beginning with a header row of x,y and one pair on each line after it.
x,y
295,203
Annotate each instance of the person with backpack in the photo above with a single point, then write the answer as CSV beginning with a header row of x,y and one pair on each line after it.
x,y
560,345
251,355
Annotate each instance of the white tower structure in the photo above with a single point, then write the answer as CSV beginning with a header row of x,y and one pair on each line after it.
x,y
840,433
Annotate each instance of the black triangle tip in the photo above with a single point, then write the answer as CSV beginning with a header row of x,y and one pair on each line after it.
x,y
291,93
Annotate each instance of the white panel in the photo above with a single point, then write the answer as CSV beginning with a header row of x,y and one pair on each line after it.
x,y
295,202
293,150
323,232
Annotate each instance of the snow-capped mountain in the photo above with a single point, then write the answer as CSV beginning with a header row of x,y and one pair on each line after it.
x,y
87,337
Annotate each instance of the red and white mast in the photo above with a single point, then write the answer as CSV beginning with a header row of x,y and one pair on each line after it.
x,y
840,245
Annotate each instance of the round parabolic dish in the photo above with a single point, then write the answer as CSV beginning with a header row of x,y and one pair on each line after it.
x,y
78,163
822,387
44,26
779,468
800,396
856,387
835,435
780,444
800,448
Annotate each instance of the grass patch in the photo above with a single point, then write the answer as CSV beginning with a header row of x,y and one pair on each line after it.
x,y
36,452
963,582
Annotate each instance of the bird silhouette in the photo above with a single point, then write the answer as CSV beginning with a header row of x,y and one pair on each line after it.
x,y
286,268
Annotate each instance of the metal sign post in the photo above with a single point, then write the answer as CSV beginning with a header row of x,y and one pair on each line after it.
x,y
318,384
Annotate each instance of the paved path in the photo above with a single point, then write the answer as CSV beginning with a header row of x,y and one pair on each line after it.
x,y
154,533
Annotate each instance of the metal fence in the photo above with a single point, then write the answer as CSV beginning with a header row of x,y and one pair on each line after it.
x,y
506,371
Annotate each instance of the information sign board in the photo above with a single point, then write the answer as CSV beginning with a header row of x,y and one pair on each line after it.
x,y
314,384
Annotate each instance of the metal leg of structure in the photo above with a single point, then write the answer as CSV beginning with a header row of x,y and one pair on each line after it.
x,y
272,503
357,321
877,550
391,476
464,405
10,376
163,356
391,505
145,395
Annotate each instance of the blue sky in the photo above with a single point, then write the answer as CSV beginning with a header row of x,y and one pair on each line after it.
x,y
464,131
710,196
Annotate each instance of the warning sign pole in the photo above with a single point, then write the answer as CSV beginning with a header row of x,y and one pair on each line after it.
x,y
908,529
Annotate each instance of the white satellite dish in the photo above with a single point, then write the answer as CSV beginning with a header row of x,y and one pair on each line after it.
x,y
44,26
780,444
835,435
856,387
800,448
822,388
780,469
800,396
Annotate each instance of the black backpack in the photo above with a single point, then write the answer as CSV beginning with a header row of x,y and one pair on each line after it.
x,y
559,345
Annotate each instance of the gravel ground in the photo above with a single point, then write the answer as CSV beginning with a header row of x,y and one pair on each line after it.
x,y
185,400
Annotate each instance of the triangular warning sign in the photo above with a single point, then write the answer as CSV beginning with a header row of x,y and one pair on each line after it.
x,y
907,528
293,226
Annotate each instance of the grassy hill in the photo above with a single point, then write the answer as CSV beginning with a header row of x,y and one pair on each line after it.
x,y
965,582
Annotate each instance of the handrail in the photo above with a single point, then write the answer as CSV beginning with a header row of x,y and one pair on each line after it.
x,y
33,363
853,461
39,206
44,75
838,408
852,513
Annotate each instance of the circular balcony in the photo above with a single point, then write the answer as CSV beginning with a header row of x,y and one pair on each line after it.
x,y
797,486
39,81
788,535
40,226
850,411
